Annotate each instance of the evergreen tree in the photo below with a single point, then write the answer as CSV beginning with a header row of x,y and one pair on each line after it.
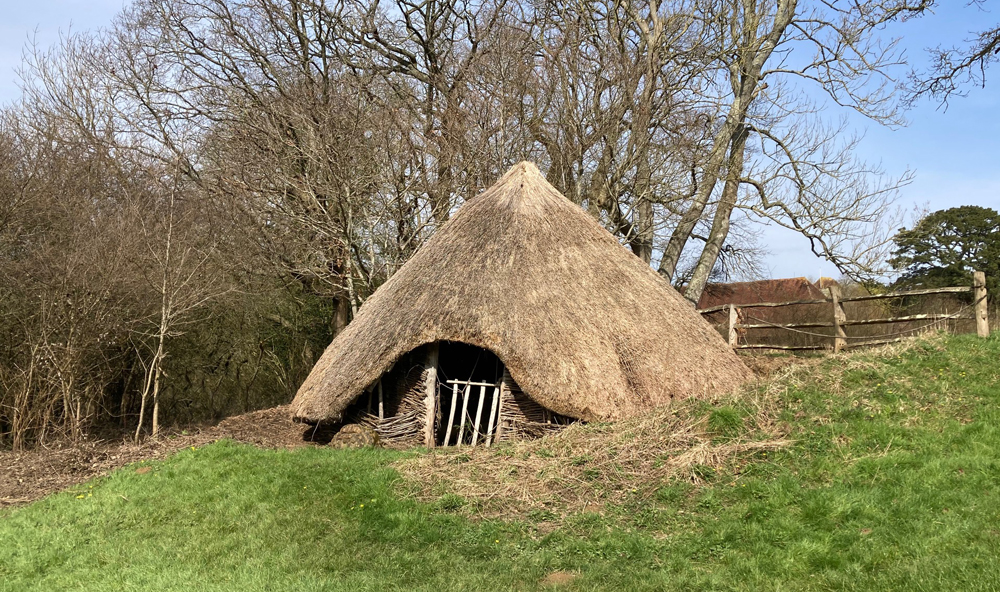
x,y
946,246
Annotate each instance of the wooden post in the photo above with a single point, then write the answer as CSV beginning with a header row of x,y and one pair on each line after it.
x,y
733,320
503,390
465,408
839,316
479,415
381,406
451,415
979,297
430,393
491,426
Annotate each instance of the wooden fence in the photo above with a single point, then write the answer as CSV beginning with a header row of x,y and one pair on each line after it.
x,y
838,337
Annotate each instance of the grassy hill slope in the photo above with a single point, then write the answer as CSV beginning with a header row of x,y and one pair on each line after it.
x,y
890,481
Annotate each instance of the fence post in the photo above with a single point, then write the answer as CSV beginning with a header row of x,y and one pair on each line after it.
x,y
733,320
839,316
979,297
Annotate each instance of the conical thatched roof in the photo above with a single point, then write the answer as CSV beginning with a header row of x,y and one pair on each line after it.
x,y
584,327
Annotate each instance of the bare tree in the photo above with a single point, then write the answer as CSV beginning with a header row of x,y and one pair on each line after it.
x,y
953,68
132,230
177,266
428,50
755,68
66,290
611,111
302,118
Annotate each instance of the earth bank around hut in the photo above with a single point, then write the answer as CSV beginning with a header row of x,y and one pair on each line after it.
x,y
884,480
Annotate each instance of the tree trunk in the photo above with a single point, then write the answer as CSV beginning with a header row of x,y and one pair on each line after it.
x,y
643,244
720,224
745,76
710,177
342,314
156,399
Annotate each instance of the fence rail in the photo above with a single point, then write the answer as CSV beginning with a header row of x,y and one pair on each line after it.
x,y
954,290
839,339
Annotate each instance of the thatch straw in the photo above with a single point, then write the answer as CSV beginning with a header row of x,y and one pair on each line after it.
x,y
584,327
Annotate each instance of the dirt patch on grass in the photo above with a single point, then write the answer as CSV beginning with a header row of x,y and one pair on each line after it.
x,y
558,578
30,475
268,428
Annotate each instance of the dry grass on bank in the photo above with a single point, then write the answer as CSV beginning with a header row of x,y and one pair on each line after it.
x,y
585,466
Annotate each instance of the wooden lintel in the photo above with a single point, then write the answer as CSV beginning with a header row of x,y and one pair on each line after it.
x,y
469,382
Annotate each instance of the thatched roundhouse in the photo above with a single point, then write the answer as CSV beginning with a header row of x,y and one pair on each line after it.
x,y
521,313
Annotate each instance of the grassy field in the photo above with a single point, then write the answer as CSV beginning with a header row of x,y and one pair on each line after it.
x,y
890,483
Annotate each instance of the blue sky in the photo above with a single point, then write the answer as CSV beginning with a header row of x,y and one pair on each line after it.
x,y
953,152
43,20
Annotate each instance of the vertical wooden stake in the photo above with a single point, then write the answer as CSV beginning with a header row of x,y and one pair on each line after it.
x,y
451,415
479,414
500,396
430,393
465,408
979,296
381,406
491,425
839,316
733,320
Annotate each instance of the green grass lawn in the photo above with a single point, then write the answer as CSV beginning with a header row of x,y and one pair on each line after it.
x,y
891,484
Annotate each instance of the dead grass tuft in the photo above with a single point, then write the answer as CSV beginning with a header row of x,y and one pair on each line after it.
x,y
559,578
